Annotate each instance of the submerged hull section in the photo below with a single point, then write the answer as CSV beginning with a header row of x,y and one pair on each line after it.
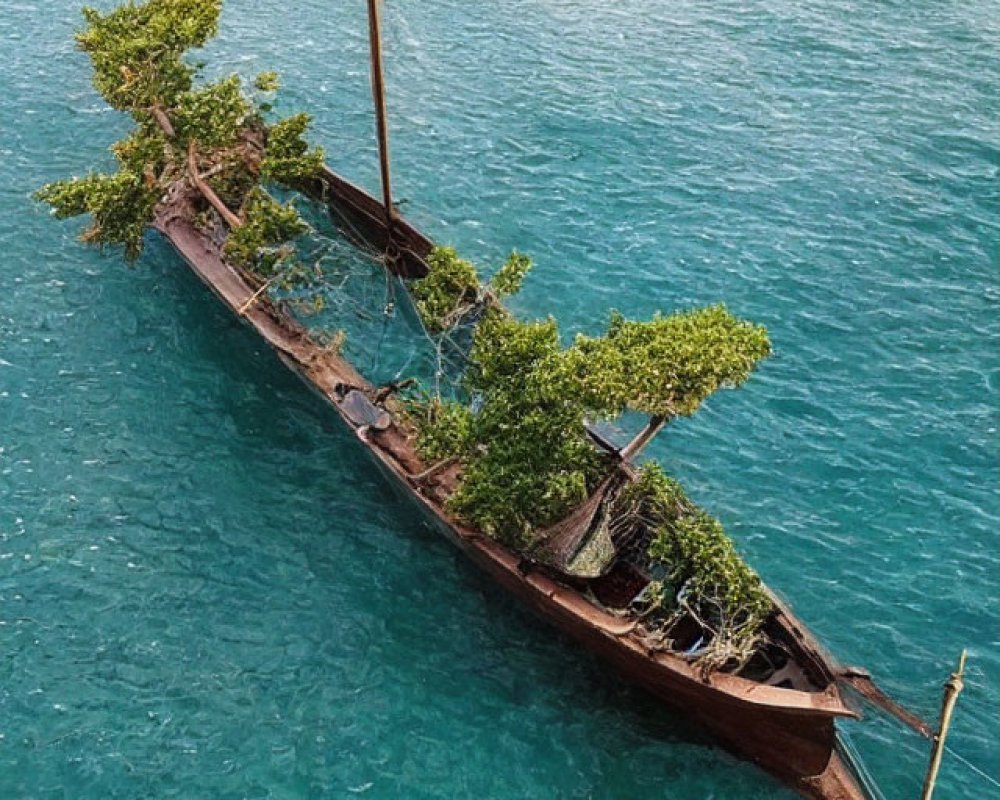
x,y
788,732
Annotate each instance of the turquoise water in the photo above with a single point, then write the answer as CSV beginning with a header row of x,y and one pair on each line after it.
x,y
207,591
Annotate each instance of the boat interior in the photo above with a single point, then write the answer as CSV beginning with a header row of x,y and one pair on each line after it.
x,y
627,571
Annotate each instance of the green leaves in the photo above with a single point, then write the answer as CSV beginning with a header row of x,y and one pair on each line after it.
x,y
698,557
510,276
142,151
136,49
444,428
212,115
256,244
452,290
122,206
670,364
528,461
529,475
287,158
450,285
137,53
267,82
72,197
506,351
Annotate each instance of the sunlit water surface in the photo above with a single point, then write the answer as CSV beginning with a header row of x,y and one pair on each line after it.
x,y
207,591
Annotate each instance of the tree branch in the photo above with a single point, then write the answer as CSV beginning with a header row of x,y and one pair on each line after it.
x,y
163,121
206,191
633,448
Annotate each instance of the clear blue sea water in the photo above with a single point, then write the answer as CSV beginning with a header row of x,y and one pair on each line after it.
x,y
207,591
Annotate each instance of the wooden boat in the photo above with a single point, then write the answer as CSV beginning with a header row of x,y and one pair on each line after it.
x,y
776,705
778,712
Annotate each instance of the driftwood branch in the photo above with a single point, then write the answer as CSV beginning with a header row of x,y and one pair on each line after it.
x,y
391,388
206,191
434,469
242,310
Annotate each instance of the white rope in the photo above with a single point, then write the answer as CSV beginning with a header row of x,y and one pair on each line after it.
x,y
973,767
850,752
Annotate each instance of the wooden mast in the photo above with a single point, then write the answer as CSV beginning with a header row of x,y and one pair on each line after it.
x,y
952,689
378,94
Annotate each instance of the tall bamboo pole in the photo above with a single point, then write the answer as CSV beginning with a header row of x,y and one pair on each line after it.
x,y
952,688
378,94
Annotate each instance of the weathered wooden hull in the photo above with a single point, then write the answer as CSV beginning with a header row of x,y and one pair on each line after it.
x,y
789,733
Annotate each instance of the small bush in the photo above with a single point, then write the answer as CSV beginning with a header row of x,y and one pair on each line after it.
x,y
267,225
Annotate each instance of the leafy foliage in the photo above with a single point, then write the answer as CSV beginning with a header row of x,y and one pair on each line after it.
x,y
136,49
267,82
121,205
529,461
256,244
670,364
451,285
443,427
212,115
452,290
510,276
143,151
695,551
704,579
137,53
287,158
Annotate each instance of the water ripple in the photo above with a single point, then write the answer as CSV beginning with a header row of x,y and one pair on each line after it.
x,y
202,582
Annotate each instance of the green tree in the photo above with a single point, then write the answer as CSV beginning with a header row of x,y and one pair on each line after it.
x,y
528,460
211,140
